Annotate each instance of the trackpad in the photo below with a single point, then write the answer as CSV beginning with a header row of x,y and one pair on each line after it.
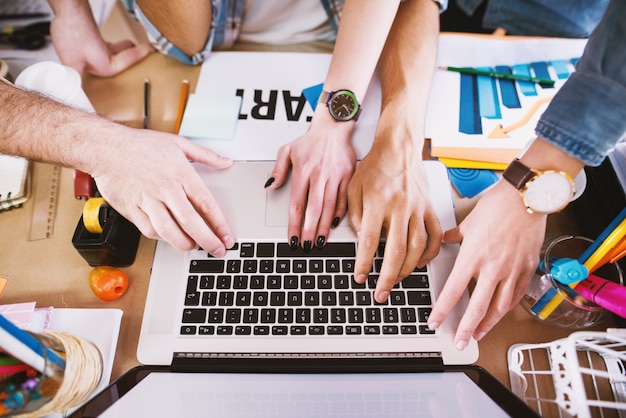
x,y
277,208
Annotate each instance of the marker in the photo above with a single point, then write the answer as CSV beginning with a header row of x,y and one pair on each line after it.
x,y
146,103
506,76
610,295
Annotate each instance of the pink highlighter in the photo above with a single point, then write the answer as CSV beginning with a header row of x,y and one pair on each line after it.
x,y
610,295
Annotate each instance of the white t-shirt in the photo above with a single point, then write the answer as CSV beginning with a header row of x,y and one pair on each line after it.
x,y
280,22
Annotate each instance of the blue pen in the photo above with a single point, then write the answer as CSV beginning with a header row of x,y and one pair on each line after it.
x,y
22,345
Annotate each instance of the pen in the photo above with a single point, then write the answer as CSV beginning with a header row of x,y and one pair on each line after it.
x,y
506,76
146,103
182,104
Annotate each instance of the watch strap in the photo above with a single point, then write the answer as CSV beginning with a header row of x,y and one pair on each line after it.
x,y
324,97
518,174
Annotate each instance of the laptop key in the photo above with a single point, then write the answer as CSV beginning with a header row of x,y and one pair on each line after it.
x,y
206,330
331,249
243,330
420,297
207,266
424,330
194,316
415,281
390,329
408,329
187,330
334,330
371,329
261,330
297,330
316,330
225,330
353,330
280,330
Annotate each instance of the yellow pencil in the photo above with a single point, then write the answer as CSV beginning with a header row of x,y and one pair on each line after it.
x,y
591,264
182,104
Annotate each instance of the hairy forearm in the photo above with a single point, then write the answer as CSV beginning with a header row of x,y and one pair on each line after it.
x,y
405,71
42,129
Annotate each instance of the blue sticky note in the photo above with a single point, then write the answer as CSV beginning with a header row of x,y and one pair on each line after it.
x,y
469,182
210,117
312,94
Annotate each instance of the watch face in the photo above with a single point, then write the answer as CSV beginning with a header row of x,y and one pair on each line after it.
x,y
549,192
343,105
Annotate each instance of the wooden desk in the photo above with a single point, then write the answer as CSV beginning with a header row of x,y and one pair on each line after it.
x,y
52,273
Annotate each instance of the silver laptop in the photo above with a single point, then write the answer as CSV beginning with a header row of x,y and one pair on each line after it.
x,y
264,299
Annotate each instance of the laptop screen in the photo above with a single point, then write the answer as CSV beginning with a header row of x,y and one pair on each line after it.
x,y
465,391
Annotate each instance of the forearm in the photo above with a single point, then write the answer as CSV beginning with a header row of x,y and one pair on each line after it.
x,y
360,40
41,129
405,71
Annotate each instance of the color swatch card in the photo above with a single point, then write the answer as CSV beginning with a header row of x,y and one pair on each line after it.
x,y
482,118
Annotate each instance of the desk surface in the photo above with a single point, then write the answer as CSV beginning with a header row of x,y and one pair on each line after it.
x,y
52,273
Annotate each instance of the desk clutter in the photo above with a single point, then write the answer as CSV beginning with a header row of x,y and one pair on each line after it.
x,y
14,181
52,360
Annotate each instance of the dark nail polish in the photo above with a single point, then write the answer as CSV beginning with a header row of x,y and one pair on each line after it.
x,y
293,242
307,246
336,222
269,182
321,240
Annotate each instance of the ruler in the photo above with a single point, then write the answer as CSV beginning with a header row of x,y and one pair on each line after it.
x,y
45,201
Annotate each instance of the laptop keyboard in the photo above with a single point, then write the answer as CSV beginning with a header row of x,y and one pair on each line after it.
x,y
269,289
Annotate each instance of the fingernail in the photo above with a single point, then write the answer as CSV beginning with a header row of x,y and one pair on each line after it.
x,y
219,252
321,240
293,242
433,325
461,344
336,222
382,296
480,336
229,242
269,182
307,245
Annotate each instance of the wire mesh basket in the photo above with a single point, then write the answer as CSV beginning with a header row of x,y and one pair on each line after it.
x,y
583,375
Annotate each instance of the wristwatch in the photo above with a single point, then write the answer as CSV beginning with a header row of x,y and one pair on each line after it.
x,y
342,105
543,192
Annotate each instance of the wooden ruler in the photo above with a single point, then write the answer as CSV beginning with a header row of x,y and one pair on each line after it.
x,y
45,201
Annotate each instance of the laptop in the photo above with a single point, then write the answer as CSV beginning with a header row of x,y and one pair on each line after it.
x,y
264,299
307,388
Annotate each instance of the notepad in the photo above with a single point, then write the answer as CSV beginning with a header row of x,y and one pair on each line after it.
x,y
210,117
14,181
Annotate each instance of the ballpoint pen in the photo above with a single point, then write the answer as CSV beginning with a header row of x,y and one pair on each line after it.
x,y
495,74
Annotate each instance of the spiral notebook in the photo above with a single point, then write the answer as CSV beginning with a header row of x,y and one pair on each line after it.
x,y
14,181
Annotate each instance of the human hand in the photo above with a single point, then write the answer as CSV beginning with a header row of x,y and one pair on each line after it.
x,y
322,161
389,191
153,185
79,44
500,249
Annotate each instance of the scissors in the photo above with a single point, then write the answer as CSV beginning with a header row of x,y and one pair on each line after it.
x,y
30,37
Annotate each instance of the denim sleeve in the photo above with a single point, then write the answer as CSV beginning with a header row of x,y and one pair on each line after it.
x,y
588,115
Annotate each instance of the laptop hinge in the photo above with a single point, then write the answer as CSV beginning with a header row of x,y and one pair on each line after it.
x,y
301,361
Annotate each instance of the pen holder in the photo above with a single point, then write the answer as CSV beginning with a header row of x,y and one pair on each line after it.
x,y
33,389
115,246
568,309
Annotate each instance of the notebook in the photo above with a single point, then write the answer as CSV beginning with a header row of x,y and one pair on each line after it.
x,y
14,181
308,388
267,300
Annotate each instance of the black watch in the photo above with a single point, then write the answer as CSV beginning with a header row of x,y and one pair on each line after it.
x,y
342,105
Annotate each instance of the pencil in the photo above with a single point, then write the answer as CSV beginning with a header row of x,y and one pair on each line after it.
x,y
146,103
506,76
182,104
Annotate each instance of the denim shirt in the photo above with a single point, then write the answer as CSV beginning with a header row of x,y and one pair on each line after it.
x,y
225,26
557,18
588,115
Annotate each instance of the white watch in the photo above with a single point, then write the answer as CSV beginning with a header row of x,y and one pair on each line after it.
x,y
543,192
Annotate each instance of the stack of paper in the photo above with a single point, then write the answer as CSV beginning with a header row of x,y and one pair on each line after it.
x,y
478,119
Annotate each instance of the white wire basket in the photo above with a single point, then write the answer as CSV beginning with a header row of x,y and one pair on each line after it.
x,y
583,375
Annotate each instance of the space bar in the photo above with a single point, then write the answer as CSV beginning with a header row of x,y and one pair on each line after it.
x,y
331,249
